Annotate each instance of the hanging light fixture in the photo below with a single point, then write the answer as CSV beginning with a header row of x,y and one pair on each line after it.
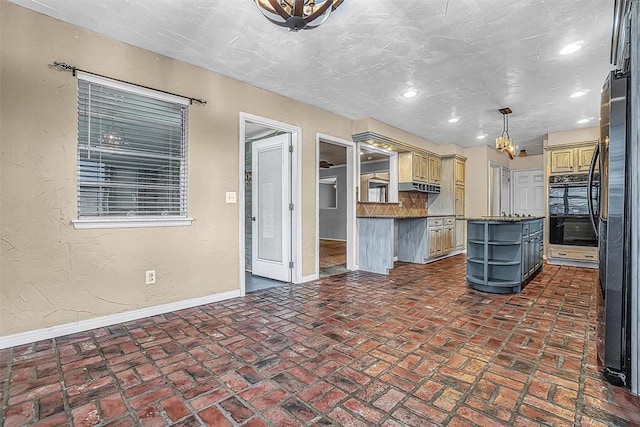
x,y
297,14
504,143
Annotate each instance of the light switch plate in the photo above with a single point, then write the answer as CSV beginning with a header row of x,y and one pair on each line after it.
x,y
231,197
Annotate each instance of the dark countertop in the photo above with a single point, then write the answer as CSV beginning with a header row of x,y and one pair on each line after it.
x,y
501,218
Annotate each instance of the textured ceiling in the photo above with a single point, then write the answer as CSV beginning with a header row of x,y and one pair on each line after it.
x,y
466,58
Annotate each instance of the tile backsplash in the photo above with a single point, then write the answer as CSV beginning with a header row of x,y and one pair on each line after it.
x,y
411,203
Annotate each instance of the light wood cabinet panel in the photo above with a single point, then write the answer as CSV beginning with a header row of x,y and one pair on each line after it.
x,y
460,233
449,238
434,170
562,161
459,171
435,242
459,194
413,167
584,156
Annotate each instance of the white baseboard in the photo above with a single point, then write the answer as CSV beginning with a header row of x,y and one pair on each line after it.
x,y
112,319
309,278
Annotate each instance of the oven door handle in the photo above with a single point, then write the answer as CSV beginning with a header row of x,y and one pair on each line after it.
x,y
592,211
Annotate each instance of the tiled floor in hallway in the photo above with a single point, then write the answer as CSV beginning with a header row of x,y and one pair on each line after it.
x,y
416,348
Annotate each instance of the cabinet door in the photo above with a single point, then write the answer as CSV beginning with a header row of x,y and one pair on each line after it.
x,y
420,167
459,207
562,161
449,239
460,235
433,242
585,154
459,172
526,258
434,170
439,242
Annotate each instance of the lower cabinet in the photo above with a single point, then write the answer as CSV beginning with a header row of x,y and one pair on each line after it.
x,y
441,236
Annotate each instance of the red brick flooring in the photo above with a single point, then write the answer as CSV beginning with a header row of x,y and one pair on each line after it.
x,y
416,348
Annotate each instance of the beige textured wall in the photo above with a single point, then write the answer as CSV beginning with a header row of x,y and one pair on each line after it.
x,y
530,162
476,187
570,136
51,274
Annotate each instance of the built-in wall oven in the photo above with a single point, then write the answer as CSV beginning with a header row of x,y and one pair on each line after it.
x,y
569,221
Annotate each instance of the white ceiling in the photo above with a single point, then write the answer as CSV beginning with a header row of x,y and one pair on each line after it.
x,y
466,58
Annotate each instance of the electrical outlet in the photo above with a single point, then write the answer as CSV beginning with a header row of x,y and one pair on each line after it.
x,y
231,197
150,277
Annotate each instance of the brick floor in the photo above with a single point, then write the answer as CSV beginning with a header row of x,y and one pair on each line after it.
x,y
414,348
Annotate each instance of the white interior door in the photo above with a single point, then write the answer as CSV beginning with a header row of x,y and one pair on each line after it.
x,y
271,196
528,192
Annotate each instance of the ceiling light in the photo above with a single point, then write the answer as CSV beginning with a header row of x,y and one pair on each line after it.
x,y
578,94
504,143
297,14
482,136
410,93
571,48
522,153
583,121
454,119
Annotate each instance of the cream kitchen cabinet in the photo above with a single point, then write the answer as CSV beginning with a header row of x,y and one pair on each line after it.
x,y
569,159
413,167
441,236
435,174
583,157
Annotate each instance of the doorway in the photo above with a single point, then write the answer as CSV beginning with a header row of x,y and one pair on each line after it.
x,y
269,211
494,189
335,201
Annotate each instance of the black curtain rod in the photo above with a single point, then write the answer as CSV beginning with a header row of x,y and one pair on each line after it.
x,y
61,66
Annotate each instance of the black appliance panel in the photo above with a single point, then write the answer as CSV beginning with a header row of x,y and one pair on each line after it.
x,y
572,230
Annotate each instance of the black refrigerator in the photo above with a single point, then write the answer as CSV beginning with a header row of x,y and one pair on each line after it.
x,y
612,225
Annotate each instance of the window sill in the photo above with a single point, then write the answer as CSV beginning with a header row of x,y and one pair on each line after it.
x,y
90,223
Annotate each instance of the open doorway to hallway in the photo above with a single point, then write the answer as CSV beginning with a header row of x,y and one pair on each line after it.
x,y
335,206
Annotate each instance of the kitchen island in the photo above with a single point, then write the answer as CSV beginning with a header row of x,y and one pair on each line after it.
x,y
503,252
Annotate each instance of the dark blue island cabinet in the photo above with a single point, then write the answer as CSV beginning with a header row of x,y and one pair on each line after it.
x,y
503,253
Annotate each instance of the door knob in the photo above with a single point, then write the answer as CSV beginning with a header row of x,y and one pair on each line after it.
x,y
253,218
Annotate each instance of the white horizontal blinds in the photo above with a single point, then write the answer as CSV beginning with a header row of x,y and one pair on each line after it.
x,y
131,150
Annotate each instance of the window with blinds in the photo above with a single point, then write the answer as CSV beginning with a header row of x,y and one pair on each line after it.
x,y
132,151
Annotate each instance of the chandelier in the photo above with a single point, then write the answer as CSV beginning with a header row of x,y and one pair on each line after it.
x,y
504,143
297,14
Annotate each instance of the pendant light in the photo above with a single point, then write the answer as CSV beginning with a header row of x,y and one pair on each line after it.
x,y
297,14
504,143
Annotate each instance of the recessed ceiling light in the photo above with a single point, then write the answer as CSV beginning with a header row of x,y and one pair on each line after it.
x,y
571,48
578,94
454,119
482,136
410,93
582,121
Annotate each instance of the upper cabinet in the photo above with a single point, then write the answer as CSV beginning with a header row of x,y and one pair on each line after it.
x,y
562,161
434,170
584,156
459,171
413,167
571,159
